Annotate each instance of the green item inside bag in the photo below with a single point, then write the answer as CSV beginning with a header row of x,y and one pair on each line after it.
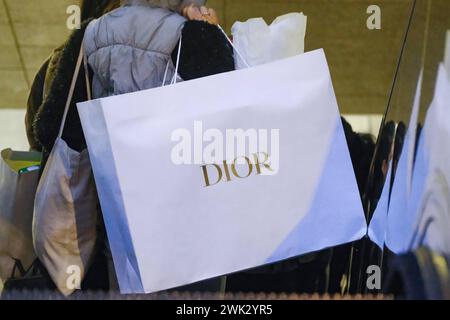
x,y
22,161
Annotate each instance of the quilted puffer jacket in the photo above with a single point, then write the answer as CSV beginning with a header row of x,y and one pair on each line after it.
x,y
130,48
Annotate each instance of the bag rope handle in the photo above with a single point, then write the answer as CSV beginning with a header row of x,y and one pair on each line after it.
x,y
233,46
174,79
81,56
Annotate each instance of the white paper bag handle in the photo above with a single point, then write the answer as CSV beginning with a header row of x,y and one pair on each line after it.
x,y
72,88
165,72
234,47
174,79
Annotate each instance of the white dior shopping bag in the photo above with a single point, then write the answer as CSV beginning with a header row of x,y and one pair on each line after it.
x,y
173,222
397,227
428,217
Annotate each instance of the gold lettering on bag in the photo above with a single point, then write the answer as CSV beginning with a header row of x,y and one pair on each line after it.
x,y
206,176
264,163
250,168
225,168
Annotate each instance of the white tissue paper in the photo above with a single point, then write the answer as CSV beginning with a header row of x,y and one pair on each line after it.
x,y
259,43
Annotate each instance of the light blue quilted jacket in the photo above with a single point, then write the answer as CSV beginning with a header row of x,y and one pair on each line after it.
x,y
129,48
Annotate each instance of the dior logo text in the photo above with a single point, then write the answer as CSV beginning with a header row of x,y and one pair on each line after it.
x,y
240,168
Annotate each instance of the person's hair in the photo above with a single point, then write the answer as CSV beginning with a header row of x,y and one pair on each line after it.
x,y
97,8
